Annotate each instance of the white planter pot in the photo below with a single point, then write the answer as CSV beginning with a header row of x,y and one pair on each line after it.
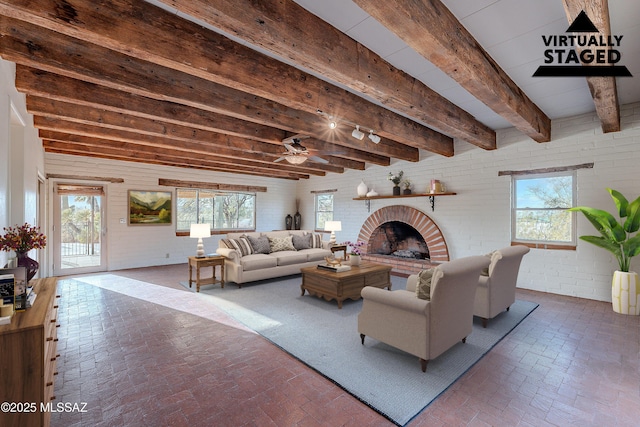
x,y
354,259
625,293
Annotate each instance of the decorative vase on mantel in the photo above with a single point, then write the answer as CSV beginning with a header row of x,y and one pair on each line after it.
x,y
31,265
362,189
396,190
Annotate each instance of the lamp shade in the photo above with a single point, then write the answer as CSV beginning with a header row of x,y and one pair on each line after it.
x,y
200,230
333,226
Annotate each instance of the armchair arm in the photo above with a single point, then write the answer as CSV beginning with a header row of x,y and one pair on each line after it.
x,y
230,254
403,300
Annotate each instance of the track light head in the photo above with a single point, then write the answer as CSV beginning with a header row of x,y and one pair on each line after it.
x,y
357,133
373,137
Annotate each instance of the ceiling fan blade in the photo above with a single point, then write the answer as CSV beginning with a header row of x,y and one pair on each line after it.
x,y
279,160
318,159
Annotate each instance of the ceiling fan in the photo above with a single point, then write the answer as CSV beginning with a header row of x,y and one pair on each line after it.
x,y
297,153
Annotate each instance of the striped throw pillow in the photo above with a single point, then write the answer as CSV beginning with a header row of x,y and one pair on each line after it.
x,y
241,245
316,241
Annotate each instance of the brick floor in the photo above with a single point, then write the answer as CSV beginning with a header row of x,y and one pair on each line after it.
x,y
138,363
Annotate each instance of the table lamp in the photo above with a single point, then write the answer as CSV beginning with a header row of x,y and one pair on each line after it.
x,y
199,231
332,226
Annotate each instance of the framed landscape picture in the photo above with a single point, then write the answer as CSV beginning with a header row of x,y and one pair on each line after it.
x,y
150,207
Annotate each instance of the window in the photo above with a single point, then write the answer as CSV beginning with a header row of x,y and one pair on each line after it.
x,y
221,210
324,209
539,208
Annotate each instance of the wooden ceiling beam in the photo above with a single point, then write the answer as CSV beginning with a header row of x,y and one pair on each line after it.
x,y
288,30
48,85
435,33
157,160
45,107
188,47
91,145
603,89
58,130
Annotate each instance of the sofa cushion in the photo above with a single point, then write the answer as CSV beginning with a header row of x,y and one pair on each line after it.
x,y
241,245
315,254
279,244
301,242
257,262
423,290
289,257
260,244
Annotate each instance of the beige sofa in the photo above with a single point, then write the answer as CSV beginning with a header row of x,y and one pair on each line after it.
x,y
424,328
242,267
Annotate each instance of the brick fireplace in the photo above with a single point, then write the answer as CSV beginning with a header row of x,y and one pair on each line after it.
x,y
404,229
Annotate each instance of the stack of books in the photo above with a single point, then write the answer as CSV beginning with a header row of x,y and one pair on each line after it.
x,y
335,268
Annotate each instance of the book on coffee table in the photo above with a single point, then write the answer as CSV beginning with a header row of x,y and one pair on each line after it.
x,y
337,268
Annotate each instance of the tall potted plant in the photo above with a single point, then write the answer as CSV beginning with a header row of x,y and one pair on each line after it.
x,y
618,238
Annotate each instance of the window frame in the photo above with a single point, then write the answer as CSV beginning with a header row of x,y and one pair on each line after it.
x,y
317,211
214,230
544,244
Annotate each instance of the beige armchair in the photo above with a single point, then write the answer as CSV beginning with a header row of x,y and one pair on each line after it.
x,y
497,291
424,328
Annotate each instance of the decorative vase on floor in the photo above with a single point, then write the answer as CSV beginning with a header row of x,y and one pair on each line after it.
x,y
396,190
625,293
31,265
354,259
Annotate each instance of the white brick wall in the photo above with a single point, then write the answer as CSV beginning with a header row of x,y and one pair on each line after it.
x,y
138,246
477,219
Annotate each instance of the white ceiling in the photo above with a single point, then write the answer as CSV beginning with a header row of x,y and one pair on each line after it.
x,y
510,31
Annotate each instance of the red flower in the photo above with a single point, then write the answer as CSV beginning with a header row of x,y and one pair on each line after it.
x,y
22,239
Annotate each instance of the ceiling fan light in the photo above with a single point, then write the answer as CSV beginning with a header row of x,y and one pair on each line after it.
x,y
295,160
373,137
357,133
332,124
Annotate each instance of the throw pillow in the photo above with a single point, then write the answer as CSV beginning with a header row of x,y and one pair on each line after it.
x,y
279,244
301,242
260,244
316,240
494,256
241,245
423,289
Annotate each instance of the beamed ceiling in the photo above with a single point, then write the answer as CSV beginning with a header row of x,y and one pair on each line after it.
x,y
218,85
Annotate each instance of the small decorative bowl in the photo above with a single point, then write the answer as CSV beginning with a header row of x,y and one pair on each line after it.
x,y
333,261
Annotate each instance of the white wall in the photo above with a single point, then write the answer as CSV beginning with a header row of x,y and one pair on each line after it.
x,y
21,157
131,246
477,219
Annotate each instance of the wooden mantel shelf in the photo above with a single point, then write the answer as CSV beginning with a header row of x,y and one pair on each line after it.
x,y
431,197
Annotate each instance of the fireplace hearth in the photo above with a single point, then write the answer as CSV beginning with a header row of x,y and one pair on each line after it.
x,y
403,237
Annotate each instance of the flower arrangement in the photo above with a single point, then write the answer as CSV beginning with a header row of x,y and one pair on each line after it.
x,y
356,247
22,239
406,184
396,179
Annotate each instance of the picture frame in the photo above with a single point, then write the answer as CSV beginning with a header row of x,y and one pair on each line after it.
x,y
150,207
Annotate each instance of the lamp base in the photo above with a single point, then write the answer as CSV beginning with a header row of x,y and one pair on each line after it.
x,y
332,238
200,248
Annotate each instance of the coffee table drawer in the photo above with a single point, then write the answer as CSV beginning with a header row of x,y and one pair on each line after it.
x,y
379,279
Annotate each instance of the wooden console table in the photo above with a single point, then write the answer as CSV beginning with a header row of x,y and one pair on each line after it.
x,y
208,261
28,353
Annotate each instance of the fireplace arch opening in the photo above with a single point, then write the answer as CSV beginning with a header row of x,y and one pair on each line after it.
x,y
399,239
411,219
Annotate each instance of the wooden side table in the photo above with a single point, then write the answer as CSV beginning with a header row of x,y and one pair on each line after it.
x,y
339,248
208,261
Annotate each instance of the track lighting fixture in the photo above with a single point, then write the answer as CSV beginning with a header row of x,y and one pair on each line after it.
x,y
373,137
357,133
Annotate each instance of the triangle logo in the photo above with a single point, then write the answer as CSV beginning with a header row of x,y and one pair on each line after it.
x,y
582,24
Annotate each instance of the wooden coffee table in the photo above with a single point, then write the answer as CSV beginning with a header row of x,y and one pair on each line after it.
x,y
347,284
